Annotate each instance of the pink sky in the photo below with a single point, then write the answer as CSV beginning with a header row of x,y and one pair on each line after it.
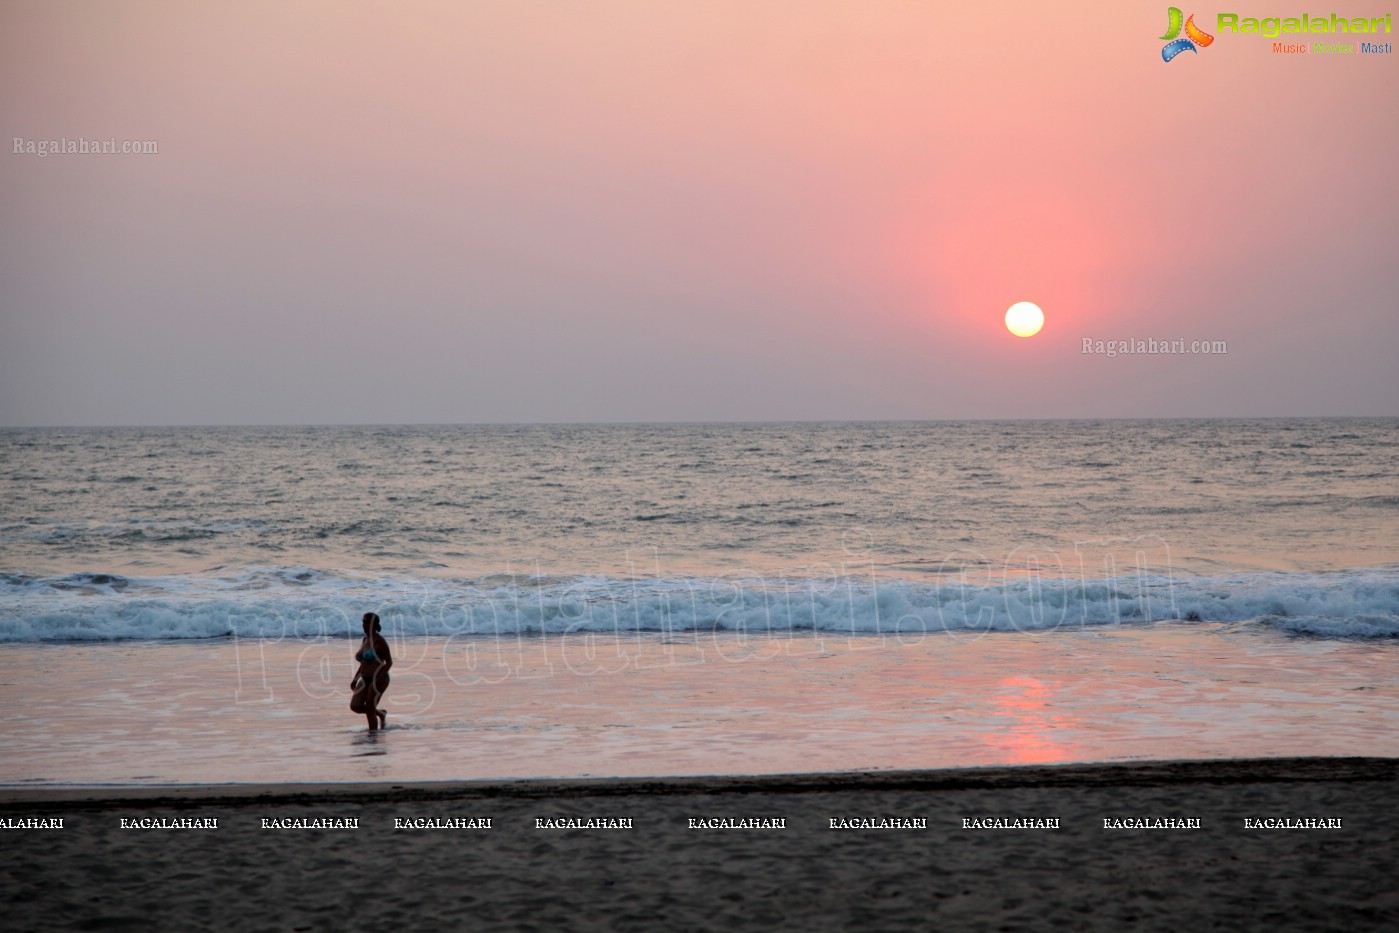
x,y
605,211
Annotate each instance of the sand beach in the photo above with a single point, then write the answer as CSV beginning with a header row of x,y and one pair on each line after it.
x,y
818,851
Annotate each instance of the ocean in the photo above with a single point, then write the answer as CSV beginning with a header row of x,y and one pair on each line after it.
x,y
745,597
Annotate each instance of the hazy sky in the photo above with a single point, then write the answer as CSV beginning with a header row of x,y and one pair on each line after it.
x,y
664,211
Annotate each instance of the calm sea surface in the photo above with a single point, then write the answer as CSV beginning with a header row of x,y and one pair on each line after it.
x,y
172,533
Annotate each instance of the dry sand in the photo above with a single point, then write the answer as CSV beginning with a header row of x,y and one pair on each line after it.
x,y
661,874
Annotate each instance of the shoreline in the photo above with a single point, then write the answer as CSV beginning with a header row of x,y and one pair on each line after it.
x,y
1158,774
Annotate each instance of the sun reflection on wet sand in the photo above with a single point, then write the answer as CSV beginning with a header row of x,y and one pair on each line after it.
x,y
1029,733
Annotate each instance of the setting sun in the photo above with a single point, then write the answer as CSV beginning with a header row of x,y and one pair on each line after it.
x,y
1024,319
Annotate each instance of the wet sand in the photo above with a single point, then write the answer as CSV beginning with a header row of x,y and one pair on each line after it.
x,y
230,711
662,874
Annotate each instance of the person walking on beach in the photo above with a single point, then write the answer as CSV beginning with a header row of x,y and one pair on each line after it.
x,y
372,678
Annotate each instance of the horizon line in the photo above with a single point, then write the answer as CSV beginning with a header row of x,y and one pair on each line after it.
x,y
695,422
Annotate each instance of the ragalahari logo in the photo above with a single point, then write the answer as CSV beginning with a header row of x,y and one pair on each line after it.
x,y
1193,34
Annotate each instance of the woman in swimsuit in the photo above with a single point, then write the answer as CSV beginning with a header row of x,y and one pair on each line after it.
x,y
372,678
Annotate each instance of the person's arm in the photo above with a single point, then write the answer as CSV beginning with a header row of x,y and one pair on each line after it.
x,y
381,648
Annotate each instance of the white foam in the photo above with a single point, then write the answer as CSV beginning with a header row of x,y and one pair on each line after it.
x,y
270,602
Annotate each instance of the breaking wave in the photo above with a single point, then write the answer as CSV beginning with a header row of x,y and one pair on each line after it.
x,y
305,602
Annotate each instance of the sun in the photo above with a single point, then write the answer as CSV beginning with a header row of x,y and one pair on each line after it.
x,y
1024,319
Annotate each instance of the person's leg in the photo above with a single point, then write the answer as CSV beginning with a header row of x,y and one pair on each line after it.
x,y
381,684
359,700
372,692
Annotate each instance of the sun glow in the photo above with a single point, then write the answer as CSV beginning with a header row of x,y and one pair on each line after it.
x,y
1024,319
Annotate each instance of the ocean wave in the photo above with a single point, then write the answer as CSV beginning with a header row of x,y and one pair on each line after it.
x,y
306,602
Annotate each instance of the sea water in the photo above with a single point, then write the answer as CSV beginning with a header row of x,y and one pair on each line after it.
x,y
249,554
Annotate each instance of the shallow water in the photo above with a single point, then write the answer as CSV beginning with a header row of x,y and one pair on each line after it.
x,y
703,703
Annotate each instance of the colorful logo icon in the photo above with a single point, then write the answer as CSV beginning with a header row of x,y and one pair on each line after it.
x,y
1193,35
